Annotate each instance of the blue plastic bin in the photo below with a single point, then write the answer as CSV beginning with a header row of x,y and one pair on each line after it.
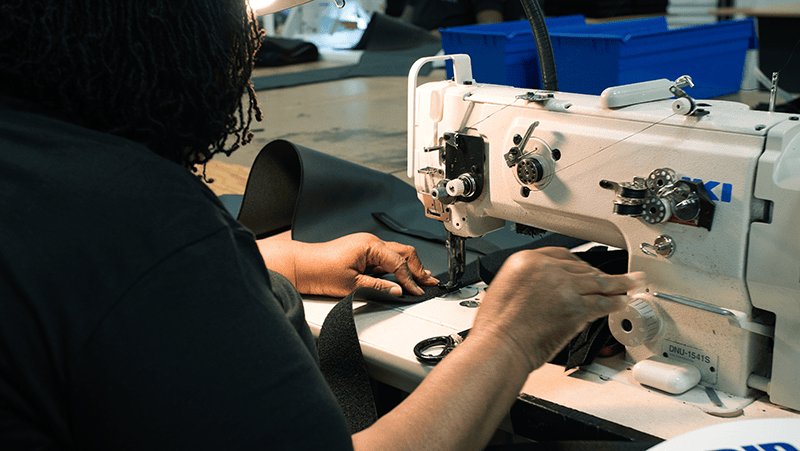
x,y
502,53
590,58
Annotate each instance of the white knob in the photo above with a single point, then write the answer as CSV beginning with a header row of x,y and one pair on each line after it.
x,y
456,187
683,106
439,193
634,325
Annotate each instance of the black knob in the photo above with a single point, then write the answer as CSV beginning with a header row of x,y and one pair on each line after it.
x,y
530,171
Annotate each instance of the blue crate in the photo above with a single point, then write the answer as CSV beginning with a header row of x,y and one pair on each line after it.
x,y
502,53
590,58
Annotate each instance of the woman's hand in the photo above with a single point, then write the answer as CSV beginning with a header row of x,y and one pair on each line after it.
x,y
335,268
541,298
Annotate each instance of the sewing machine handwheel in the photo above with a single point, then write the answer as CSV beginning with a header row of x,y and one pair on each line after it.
x,y
635,325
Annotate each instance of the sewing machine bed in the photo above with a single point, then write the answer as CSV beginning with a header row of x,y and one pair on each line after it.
x,y
600,399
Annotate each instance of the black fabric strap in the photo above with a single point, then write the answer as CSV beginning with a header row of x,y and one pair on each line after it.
x,y
342,363
341,359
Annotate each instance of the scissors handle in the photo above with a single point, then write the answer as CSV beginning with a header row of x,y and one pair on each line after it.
x,y
446,342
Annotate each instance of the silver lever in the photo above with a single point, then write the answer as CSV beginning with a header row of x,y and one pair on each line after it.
x,y
663,246
515,153
527,136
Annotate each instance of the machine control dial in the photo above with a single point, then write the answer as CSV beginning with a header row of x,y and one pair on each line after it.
x,y
440,193
533,168
464,185
688,209
530,171
634,325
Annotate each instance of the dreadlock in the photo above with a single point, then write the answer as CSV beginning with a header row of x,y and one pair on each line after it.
x,y
173,75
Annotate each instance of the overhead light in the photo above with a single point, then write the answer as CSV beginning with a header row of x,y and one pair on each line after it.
x,y
262,7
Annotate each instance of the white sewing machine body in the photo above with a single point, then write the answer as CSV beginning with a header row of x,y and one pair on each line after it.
x,y
723,287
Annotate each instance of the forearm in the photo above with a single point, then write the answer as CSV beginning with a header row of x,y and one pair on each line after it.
x,y
459,404
279,255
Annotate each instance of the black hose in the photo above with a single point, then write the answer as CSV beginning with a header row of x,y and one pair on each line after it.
x,y
547,62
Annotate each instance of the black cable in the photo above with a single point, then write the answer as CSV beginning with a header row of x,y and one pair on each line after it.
x,y
547,62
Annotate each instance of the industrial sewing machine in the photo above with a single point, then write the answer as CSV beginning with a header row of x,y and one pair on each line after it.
x,y
704,196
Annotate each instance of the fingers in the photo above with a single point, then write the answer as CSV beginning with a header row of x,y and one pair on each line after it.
x,y
557,252
603,294
413,262
605,284
600,305
562,258
578,267
381,256
380,284
403,262
541,298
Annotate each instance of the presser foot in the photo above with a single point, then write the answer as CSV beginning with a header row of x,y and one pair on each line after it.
x,y
456,259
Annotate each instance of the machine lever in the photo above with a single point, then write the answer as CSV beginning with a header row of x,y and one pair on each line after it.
x,y
663,246
527,136
684,104
515,153
684,81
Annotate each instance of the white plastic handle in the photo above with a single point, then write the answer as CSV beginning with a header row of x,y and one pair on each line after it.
x,y
462,72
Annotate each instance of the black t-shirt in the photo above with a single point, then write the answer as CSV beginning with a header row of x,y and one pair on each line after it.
x,y
136,313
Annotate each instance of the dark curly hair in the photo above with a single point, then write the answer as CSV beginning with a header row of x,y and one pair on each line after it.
x,y
173,75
